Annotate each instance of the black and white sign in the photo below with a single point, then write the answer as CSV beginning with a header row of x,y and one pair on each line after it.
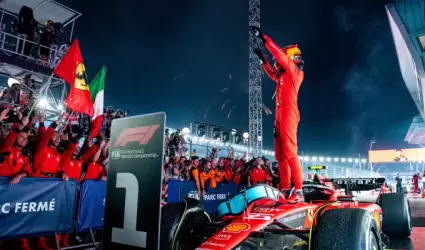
x,y
356,181
133,197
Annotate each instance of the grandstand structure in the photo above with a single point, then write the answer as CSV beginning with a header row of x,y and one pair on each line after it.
x,y
255,92
16,61
407,22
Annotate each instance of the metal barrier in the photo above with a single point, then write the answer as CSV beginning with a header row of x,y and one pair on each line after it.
x,y
15,45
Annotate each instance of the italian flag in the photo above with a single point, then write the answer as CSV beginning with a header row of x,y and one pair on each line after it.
x,y
97,92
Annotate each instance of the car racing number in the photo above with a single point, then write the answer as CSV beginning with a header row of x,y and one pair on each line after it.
x,y
129,182
255,216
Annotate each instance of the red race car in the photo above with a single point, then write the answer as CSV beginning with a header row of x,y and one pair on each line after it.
x,y
260,218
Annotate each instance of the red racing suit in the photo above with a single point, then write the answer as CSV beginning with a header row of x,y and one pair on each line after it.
x,y
69,164
47,158
415,181
258,175
288,82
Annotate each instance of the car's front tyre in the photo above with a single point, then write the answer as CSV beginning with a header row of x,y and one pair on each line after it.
x,y
178,221
347,229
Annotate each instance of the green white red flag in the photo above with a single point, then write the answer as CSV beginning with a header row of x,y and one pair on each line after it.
x,y
97,87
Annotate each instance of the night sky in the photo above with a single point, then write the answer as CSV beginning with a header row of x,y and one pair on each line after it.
x,y
353,91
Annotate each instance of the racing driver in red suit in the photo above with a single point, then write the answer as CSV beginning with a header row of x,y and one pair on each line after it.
x,y
288,75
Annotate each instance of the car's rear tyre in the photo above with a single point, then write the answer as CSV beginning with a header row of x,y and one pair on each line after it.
x,y
396,220
178,221
347,229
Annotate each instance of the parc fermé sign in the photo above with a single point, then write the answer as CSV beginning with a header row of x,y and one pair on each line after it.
x,y
133,198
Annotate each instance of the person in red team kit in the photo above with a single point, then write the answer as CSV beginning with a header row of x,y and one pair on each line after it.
x,y
415,182
13,162
258,174
288,75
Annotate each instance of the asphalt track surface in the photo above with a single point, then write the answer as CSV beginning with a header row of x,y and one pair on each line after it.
x,y
416,240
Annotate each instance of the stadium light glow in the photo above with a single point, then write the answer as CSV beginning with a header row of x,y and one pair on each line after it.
x,y
356,160
363,160
336,159
245,135
12,81
350,160
314,158
60,107
306,158
321,159
328,159
343,159
186,131
42,103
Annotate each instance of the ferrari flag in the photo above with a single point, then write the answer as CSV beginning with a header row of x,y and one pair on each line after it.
x,y
96,92
71,69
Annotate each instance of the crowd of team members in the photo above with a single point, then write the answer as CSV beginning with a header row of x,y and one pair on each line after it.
x,y
31,149
211,171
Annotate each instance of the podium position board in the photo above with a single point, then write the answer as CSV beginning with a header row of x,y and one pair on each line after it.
x,y
133,195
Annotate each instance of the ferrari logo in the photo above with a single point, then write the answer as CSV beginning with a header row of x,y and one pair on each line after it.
x,y
80,77
377,218
236,228
310,215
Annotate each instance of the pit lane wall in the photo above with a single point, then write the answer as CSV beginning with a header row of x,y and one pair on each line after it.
x,y
46,206
177,190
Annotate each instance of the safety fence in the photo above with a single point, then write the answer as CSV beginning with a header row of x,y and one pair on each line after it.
x,y
177,190
47,206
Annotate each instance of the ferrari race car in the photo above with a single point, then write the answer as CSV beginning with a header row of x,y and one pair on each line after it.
x,y
260,218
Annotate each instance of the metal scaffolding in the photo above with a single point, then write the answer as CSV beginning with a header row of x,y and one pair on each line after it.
x,y
255,94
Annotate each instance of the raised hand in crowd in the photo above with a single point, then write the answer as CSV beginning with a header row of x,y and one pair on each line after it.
x,y
4,114
61,117
24,122
42,117
15,180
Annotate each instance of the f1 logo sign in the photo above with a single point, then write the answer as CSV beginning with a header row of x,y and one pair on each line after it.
x,y
142,135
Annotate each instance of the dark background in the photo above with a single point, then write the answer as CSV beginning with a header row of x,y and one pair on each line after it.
x,y
352,93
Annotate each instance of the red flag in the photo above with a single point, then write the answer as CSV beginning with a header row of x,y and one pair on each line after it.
x,y
71,69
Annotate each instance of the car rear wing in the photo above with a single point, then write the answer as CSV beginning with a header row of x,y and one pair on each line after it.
x,y
358,184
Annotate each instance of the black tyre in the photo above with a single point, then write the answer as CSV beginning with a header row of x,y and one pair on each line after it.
x,y
396,220
347,229
178,221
